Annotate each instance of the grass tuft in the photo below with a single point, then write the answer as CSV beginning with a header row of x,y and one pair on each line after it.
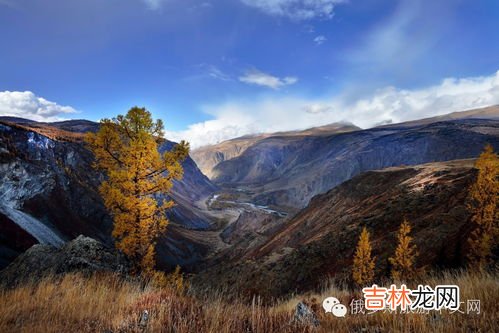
x,y
106,303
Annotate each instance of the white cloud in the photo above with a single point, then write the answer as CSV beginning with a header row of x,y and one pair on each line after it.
x,y
25,104
296,9
390,104
267,80
317,108
216,73
204,71
320,40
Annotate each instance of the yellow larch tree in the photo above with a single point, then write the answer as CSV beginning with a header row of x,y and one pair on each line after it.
x,y
138,180
363,262
482,204
405,255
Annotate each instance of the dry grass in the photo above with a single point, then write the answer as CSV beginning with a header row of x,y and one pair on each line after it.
x,y
50,132
107,304
481,286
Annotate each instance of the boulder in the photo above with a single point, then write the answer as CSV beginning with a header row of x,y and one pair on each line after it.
x,y
83,254
305,316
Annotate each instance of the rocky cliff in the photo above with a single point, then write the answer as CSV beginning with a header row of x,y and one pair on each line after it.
x,y
286,170
288,173
48,190
208,157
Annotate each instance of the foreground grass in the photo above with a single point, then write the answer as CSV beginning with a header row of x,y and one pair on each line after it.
x,y
105,303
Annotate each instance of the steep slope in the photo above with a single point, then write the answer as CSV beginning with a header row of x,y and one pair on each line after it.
x,y
288,173
48,188
319,242
208,157
285,170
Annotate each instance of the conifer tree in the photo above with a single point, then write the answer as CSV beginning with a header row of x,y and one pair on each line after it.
x,y
482,204
363,263
405,255
138,178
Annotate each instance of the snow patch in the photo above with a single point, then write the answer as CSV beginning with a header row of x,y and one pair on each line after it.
x,y
38,141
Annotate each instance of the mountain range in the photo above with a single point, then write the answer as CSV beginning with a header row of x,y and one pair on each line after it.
x,y
286,170
272,212
49,191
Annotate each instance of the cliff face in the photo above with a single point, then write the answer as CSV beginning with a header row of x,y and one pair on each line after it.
x,y
285,170
288,172
320,240
48,189
208,157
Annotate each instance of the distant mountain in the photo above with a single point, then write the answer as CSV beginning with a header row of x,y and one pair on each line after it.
x,y
208,157
491,112
319,242
76,125
48,192
287,171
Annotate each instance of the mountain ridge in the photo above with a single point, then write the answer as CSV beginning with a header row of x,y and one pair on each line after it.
x,y
209,156
47,177
286,172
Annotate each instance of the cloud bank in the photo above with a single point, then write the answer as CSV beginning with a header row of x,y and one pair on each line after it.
x,y
26,104
266,80
390,104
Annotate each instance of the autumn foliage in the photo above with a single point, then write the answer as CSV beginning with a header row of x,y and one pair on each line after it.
x,y
138,179
363,262
482,204
405,255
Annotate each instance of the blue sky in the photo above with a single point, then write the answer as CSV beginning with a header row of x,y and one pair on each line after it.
x,y
215,69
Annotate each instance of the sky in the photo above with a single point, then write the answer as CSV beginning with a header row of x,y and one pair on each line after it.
x,y
218,69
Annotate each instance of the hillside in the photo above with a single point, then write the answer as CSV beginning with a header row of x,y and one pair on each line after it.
x,y
286,171
208,157
320,240
289,174
49,192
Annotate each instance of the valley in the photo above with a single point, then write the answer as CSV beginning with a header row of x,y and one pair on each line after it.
x,y
272,200
298,256
249,166
284,172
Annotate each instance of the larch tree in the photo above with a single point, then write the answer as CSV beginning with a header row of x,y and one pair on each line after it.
x,y
482,204
405,255
138,180
363,262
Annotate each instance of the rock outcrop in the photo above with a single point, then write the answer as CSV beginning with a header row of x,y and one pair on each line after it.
x,y
83,254
49,189
305,316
